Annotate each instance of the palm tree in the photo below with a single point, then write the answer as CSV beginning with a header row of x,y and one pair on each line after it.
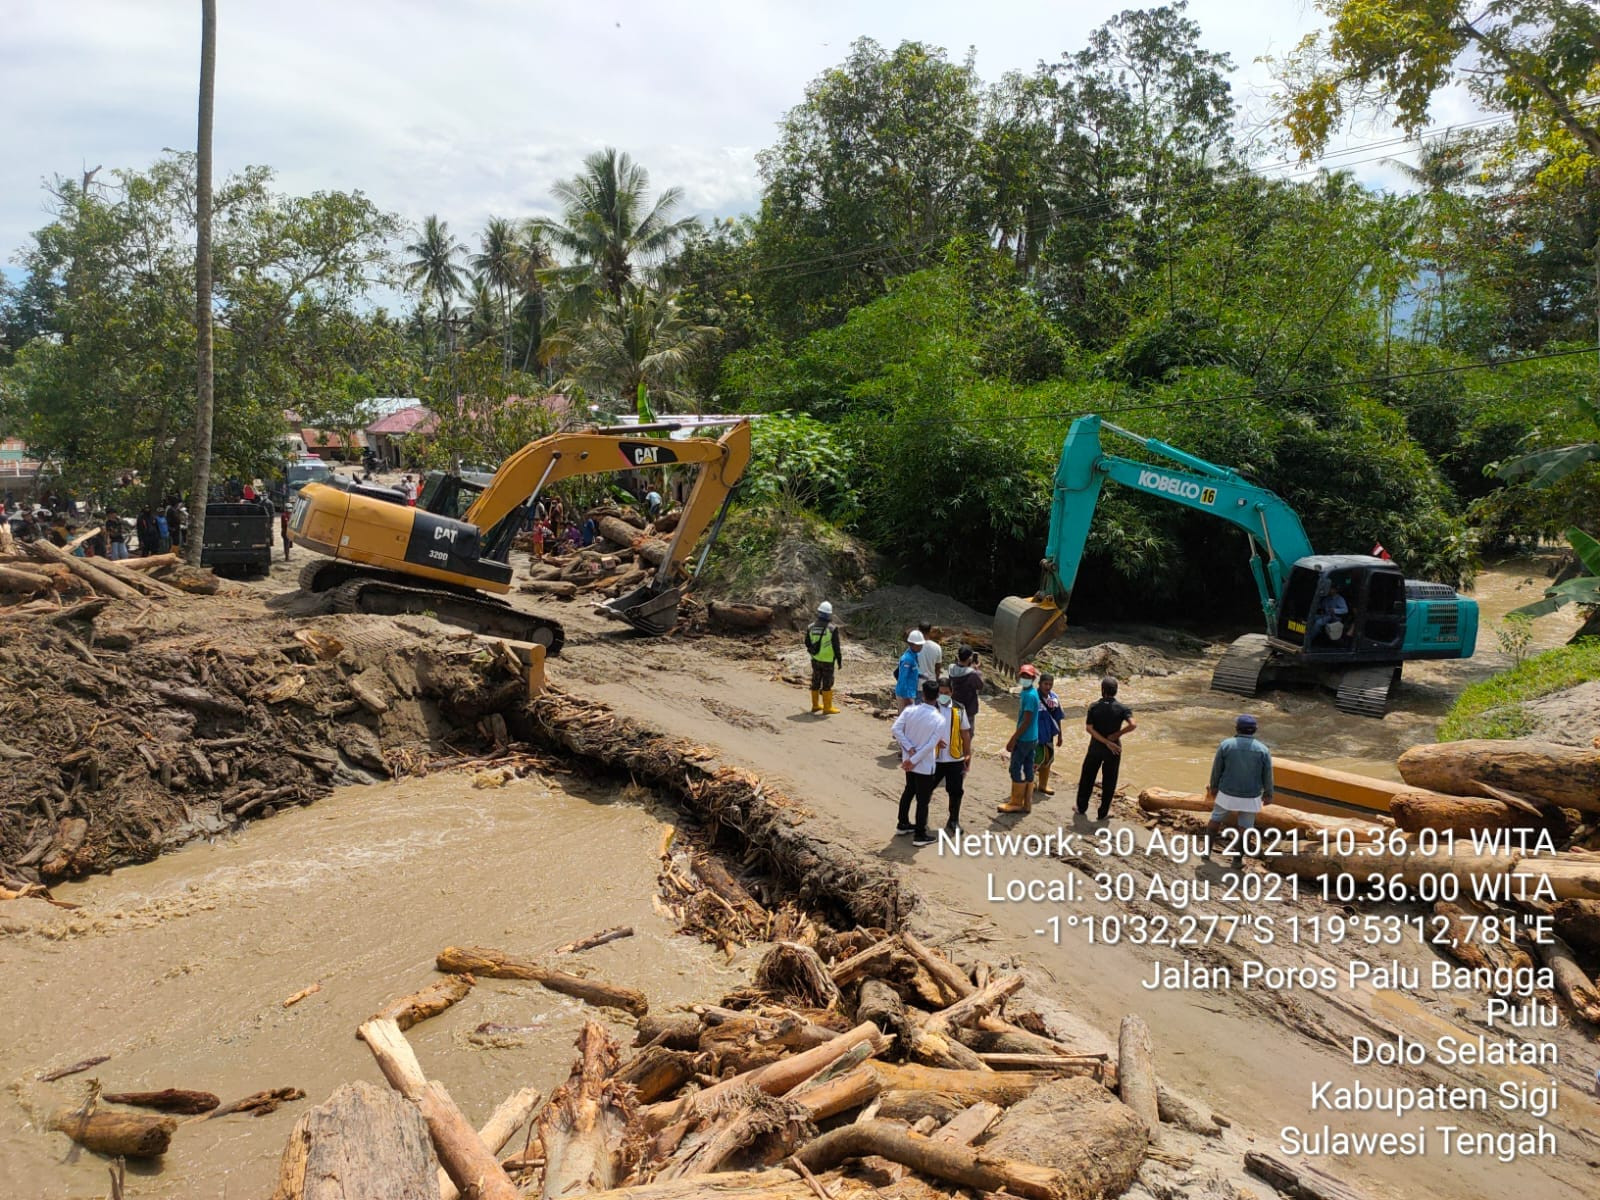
x,y
435,263
607,221
643,340
530,261
205,407
496,264
1442,169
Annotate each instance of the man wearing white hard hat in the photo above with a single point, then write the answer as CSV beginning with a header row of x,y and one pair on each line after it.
x,y
822,643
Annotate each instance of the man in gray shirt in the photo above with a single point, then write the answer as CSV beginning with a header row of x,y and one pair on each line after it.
x,y
1241,781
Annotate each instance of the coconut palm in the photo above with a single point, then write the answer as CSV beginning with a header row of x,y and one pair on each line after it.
x,y
530,260
642,340
608,224
205,406
435,263
497,266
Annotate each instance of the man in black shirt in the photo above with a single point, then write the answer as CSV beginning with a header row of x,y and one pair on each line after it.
x,y
1106,724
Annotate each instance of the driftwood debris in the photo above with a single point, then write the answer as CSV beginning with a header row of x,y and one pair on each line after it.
x,y
1299,1181
595,939
56,1073
432,1000
742,617
1568,776
115,1134
942,1160
1421,809
471,1165
362,1142
1273,816
1579,922
514,1112
1136,1072
1572,981
172,1100
582,1127
496,964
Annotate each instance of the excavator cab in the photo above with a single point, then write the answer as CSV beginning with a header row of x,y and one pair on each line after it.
x,y
1372,625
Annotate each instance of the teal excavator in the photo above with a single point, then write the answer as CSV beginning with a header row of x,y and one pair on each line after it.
x,y
1386,619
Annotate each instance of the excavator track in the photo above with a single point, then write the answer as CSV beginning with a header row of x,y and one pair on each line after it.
x,y
325,574
1242,666
388,598
1365,691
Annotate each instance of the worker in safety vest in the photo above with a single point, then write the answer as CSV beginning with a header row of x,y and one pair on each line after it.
x,y
822,643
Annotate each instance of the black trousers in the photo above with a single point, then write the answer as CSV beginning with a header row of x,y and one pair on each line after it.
x,y
1098,761
918,788
955,786
821,676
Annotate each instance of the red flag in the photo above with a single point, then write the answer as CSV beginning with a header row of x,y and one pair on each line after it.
x,y
1379,552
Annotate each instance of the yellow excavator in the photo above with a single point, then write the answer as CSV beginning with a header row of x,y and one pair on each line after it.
x,y
448,556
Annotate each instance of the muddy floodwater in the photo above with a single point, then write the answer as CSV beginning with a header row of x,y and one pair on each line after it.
x,y
178,969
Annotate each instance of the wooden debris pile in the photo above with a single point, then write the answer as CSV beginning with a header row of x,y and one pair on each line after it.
x,y
126,729
42,580
850,1062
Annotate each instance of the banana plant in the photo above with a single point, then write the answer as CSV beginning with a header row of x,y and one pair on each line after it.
x,y
1545,468
1583,589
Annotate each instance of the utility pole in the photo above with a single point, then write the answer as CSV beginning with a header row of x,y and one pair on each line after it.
x,y
206,396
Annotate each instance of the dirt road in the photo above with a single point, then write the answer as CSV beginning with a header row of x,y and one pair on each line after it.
x,y
1254,1058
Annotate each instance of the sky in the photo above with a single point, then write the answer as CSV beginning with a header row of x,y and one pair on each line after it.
x,y
472,108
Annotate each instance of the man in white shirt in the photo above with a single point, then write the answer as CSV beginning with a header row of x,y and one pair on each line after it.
x,y
920,731
930,655
955,755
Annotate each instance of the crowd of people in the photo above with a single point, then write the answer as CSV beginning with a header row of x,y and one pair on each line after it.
x,y
937,721
56,518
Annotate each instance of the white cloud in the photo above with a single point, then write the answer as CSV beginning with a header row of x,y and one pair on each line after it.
x,y
475,107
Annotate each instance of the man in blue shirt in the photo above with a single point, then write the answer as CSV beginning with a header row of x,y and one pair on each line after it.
x,y
1332,609
1024,742
1241,781
907,673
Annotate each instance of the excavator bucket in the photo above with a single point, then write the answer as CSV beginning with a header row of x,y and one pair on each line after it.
x,y
1022,627
648,609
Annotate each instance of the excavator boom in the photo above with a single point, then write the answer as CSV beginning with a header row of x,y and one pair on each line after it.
x,y
418,560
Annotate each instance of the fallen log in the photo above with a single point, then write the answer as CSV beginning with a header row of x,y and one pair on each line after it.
x,y
496,964
595,939
174,1100
793,970
945,973
1176,1110
620,533
71,834
1273,816
581,1128
998,1087
1569,876
198,699
259,1103
824,1098
101,581
737,1185
151,562
115,1134
1568,776
739,616
432,1000
562,589
1572,981
362,1142
1466,944
774,1079
1421,809
881,1004
146,583
912,1107
1084,1064
1299,1181
1077,1128
514,1112
933,1040
850,969
657,1073
942,1160
56,1073
1136,1072
1579,922
23,583
970,1124
676,1031
472,1167
717,877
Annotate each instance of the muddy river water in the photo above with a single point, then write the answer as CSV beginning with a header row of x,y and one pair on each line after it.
x,y
178,969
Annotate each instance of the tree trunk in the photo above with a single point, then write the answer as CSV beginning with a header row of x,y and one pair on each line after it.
x,y
1579,922
174,1100
950,978
496,964
201,487
1273,816
1571,979
1136,1072
676,1031
101,581
1565,775
956,1164
582,1127
500,1128
1302,1181
739,616
998,1087
429,1002
116,1134
362,1142
472,1167
657,1073
881,1004
1421,809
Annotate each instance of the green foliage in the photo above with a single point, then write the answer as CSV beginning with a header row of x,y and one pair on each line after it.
x,y
1514,636
800,463
1492,708
1582,589
108,384
484,413
639,343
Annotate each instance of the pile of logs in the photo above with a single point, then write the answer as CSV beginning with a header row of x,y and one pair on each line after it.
x,y
625,556
122,1132
41,579
851,1060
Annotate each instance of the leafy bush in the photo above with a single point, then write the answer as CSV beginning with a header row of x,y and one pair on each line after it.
x,y
797,462
1491,708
